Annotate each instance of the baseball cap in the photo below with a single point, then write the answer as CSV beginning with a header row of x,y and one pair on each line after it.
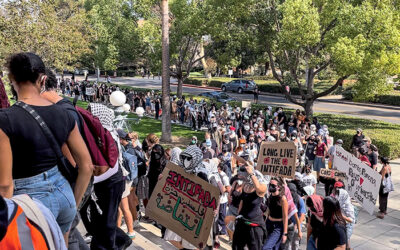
x,y
122,134
339,141
338,184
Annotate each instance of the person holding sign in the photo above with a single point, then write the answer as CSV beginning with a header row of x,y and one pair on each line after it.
x,y
250,226
320,153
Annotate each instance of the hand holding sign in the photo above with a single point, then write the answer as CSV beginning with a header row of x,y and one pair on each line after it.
x,y
277,159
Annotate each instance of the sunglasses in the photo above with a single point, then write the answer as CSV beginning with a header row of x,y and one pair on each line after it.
x,y
185,157
273,185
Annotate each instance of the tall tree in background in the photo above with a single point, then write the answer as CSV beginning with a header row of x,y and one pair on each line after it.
x,y
55,30
166,106
305,38
188,26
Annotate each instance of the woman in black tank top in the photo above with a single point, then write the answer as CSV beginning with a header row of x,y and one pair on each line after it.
x,y
250,227
277,222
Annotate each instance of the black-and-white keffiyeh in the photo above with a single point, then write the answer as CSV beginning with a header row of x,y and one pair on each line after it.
x,y
196,165
105,115
258,174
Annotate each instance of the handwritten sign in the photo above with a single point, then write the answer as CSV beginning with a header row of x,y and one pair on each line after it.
x,y
331,173
277,159
185,204
362,182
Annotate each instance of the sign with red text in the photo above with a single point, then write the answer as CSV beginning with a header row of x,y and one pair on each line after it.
x,y
362,181
185,204
333,174
277,159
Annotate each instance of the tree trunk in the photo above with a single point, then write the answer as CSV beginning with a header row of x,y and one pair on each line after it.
x,y
166,107
207,74
179,90
308,107
266,67
98,74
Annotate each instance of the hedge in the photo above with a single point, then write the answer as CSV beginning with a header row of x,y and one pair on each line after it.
x,y
389,99
264,85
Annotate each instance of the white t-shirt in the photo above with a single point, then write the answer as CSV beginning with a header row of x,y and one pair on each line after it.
x,y
225,182
309,180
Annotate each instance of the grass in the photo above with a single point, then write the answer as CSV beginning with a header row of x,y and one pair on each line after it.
x,y
181,135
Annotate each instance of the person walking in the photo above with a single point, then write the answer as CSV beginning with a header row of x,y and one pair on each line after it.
x,y
386,187
29,164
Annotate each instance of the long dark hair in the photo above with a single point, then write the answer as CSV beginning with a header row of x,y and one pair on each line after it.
x,y
332,212
25,67
281,185
293,190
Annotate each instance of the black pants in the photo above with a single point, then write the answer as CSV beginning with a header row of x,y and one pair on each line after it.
x,y
157,113
383,200
103,227
244,235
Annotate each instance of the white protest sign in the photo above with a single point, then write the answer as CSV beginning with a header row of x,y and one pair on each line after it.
x,y
246,104
230,72
362,182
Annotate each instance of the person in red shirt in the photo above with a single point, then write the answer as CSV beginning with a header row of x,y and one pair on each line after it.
x,y
363,156
320,152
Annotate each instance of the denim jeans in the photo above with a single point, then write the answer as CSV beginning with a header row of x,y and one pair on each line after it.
x,y
53,190
274,238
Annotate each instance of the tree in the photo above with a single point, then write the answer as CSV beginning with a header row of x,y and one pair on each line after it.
x,y
115,38
187,30
55,30
303,38
166,115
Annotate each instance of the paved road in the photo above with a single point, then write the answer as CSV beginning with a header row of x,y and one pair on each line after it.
x,y
377,113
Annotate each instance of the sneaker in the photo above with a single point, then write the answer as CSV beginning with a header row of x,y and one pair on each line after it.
x,y
380,215
132,235
87,239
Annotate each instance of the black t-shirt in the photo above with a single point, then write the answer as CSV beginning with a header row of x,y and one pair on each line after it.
x,y
32,154
358,140
310,147
282,115
373,158
332,237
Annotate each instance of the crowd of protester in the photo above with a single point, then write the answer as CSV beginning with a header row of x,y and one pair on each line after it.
x,y
255,211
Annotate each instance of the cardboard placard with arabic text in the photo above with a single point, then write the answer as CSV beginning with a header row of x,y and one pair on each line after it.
x,y
185,204
277,159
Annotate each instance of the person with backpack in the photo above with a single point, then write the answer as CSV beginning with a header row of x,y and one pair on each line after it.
x,y
108,186
130,165
31,161
27,223
75,239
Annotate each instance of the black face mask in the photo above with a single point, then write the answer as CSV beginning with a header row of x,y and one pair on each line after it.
x,y
308,171
272,188
157,155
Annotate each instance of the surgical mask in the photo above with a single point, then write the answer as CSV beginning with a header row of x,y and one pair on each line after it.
x,y
194,141
273,128
260,129
208,141
251,132
282,135
293,138
246,127
226,141
242,145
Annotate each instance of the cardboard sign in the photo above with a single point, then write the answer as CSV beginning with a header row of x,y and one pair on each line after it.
x,y
331,173
246,104
362,182
277,159
185,204
329,140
